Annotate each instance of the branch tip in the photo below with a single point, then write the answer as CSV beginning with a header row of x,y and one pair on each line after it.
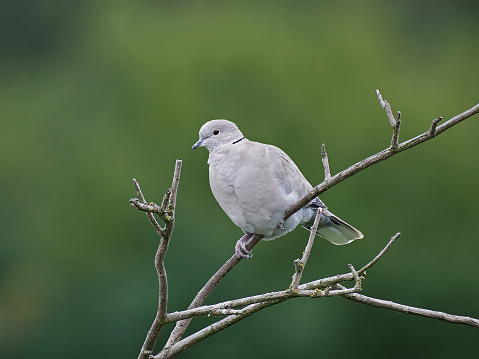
x,y
385,105
381,253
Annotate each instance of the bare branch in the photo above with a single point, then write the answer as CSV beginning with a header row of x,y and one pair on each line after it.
x,y
384,250
181,326
376,158
169,218
329,281
406,309
213,329
273,298
301,263
311,289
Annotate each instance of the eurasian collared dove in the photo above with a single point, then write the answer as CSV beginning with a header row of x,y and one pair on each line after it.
x,y
255,184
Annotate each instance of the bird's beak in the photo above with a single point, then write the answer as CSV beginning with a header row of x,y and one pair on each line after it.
x,y
197,144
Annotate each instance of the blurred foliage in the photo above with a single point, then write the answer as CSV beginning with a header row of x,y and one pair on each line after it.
x,y
96,93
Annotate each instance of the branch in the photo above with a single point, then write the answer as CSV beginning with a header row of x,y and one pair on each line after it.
x,y
182,325
406,309
149,209
213,329
167,213
383,251
258,303
305,290
376,158
299,264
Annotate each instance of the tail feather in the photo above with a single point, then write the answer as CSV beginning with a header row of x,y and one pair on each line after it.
x,y
334,229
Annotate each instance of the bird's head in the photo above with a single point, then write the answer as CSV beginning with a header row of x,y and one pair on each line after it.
x,y
218,132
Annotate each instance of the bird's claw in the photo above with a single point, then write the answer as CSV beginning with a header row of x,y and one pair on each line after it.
x,y
240,248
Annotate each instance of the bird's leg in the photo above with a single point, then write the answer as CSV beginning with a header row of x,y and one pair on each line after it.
x,y
240,247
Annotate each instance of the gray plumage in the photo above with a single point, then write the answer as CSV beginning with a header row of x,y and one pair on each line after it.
x,y
255,184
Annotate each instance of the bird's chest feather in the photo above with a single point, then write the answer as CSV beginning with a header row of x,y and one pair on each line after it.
x,y
245,187
224,169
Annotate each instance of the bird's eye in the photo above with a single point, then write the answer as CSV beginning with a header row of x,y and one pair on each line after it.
x,y
216,132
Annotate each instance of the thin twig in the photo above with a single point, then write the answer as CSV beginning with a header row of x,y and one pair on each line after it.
x,y
396,130
300,264
432,131
357,285
165,201
174,184
143,206
406,309
384,250
385,105
324,158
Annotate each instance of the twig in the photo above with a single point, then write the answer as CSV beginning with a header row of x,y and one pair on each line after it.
x,y
165,201
396,130
357,285
324,158
329,281
385,105
406,309
300,264
394,122
149,209
384,250
432,131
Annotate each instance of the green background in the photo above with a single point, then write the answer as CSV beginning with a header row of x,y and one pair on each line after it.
x,y
95,93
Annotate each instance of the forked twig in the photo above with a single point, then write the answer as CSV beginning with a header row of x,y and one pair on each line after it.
x,y
167,213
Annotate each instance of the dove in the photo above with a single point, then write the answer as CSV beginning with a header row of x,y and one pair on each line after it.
x,y
255,183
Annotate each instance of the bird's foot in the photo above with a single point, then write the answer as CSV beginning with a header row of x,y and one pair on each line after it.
x,y
240,248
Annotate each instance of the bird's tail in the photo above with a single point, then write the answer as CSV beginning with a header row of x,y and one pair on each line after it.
x,y
334,229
